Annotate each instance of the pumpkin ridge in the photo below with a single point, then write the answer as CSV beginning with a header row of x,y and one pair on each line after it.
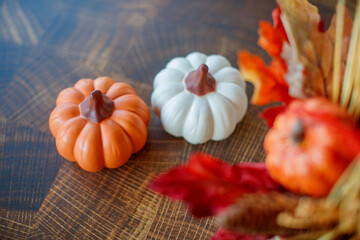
x,y
126,132
222,94
79,92
123,133
165,74
231,124
229,75
65,94
130,98
156,110
103,84
56,115
77,139
181,64
101,139
163,94
127,94
173,101
209,122
102,142
172,68
81,146
124,88
63,129
240,114
83,88
173,97
210,59
201,59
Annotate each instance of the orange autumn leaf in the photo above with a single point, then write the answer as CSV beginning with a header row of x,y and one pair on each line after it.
x,y
271,38
269,84
302,54
279,69
269,81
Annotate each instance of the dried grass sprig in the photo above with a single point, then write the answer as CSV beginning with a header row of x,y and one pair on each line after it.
x,y
300,217
347,93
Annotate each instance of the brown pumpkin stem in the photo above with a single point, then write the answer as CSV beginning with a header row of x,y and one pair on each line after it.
x,y
96,107
298,133
200,81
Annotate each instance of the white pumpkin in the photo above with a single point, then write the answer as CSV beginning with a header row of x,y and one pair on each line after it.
x,y
199,97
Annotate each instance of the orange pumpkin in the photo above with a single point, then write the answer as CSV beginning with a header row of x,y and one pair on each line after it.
x,y
310,145
99,123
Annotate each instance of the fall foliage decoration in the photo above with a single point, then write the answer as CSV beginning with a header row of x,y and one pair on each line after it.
x,y
209,185
99,123
347,93
257,213
310,145
306,60
299,217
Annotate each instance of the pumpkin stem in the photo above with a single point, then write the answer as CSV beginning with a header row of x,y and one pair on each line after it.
x,y
96,107
298,133
200,82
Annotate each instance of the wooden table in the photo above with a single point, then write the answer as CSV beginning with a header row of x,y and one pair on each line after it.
x,y
46,46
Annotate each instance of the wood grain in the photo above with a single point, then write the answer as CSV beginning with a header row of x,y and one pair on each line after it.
x,y
46,46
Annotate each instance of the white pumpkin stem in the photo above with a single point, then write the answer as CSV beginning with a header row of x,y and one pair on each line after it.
x,y
200,82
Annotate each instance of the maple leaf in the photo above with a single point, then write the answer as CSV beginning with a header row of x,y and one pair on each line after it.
x,y
309,55
269,84
269,81
209,185
302,53
271,38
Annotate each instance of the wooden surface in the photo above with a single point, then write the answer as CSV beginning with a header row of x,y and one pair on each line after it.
x,y
46,46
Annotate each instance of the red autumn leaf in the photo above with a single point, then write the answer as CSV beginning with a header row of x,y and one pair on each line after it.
x,y
209,185
223,234
270,113
276,13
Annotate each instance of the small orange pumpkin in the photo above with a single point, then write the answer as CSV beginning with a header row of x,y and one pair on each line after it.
x,y
310,145
99,123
